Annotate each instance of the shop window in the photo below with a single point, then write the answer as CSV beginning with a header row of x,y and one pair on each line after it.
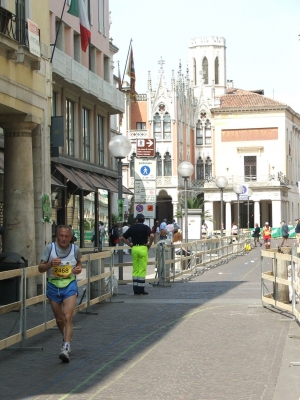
x,y
70,128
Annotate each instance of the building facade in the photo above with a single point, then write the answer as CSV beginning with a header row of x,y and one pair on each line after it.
x,y
85,96
25,111
223,131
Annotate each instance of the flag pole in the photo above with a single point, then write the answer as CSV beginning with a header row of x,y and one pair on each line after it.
x,y
54,47
126,60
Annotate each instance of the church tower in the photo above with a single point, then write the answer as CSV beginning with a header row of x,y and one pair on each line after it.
x,y
207,57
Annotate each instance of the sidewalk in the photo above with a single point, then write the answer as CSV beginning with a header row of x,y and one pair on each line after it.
x,y
206,338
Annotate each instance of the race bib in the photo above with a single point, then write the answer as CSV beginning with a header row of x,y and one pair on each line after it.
x,y
62,271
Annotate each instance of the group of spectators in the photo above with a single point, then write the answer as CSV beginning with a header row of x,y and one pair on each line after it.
x,y
164,230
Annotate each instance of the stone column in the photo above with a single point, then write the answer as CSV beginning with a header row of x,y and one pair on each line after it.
x,y
276,213
256,213
19,220
228,219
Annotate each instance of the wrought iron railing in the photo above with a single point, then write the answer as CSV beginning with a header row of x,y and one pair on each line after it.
x,y
13,27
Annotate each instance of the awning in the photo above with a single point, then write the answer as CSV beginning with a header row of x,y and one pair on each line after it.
x,y
74,178
56,182
90,181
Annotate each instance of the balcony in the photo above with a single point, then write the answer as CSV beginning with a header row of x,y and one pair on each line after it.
x,y
256,181
76,74
162,182
138,134
14,41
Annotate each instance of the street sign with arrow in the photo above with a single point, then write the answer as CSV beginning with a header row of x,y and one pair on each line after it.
x,y
145,147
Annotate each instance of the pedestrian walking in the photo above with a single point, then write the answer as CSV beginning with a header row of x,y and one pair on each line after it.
x,y
142,239
256,234
61,261
297,230
284,233
124,229
102,234
266,234
156,231
163,230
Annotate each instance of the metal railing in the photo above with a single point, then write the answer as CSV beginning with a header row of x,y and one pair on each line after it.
x,y
14,27
94,291
99,282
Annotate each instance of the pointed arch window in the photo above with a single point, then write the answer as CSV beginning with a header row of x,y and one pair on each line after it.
x,y
199,133
167,164
208,167
131,164
195,71
157,126
205,70
200,169
207,132
158,164
167,126
217,70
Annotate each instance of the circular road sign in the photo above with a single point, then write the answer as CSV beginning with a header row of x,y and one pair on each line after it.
x,y
139,208
145,170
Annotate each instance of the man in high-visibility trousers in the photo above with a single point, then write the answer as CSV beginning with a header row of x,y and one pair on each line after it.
x,y
141,241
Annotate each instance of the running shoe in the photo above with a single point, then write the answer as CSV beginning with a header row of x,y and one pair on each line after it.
x,y
64,355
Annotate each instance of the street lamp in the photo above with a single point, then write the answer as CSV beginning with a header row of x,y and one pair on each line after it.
x,y
238,189
120,147
221,183
250,193
185,170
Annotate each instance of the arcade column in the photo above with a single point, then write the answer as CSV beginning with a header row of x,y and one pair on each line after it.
x,y
19,221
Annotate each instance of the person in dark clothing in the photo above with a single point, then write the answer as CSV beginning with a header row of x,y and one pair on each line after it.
x,y
285,234
139,234
256,234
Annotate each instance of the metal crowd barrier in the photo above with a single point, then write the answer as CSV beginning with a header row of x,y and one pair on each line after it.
x,y
204,252
95,291
280,279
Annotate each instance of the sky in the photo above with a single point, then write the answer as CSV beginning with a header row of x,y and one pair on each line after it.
x,y
263,47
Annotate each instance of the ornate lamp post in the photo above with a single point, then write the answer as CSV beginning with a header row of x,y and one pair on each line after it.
x,y
120,147
185,170
238,189
250,193
221,183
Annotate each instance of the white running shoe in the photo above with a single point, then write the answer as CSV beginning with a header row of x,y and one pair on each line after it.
x,y
64,355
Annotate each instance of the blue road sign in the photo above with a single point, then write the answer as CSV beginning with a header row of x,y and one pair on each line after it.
x,y
145,170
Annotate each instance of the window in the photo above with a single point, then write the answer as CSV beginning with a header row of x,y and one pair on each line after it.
x,y
217,71
54,104
100,15
86,134
250,168
140,125
158,164
107,69
21,36
199,133
208,167
131,165
157,126
205,70
100,140
207,132
167,126
70,147
195,71
167,164
200,169
104,17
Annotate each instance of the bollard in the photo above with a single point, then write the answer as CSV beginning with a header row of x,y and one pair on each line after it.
x,y
164,253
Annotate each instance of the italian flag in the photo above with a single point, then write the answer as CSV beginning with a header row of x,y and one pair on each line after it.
x,y
78,9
